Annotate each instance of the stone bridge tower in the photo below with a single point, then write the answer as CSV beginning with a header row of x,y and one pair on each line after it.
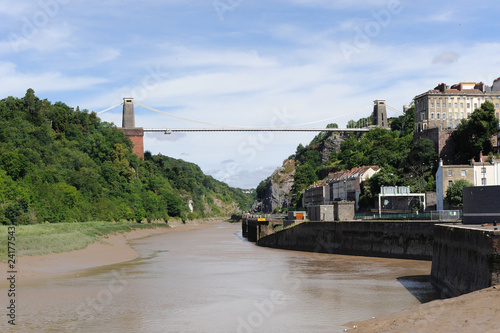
x,y
380,114
135,134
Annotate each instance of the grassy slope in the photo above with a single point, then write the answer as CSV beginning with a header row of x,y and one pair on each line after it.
x,y
62,237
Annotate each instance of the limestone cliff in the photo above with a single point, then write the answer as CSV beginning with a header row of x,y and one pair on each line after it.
x,y
278,188
332,143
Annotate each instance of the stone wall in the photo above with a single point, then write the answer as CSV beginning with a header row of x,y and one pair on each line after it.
x,y
465,259
443,143
320,213
409,240
344,210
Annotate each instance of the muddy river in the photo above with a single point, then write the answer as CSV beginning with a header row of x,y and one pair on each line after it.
x,y
213,280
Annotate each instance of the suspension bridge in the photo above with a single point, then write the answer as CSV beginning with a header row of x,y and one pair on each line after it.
x,y
136,133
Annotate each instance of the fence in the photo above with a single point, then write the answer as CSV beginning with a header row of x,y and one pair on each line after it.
x,y
446,215
393,216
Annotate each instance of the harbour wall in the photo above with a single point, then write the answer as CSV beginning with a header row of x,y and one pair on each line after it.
x,y
408,239
465,258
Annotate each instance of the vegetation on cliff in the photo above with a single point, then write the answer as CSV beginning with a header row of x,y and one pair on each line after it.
x,y
58,164
402,162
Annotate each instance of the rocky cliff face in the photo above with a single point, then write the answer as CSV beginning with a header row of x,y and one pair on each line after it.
x,y
332,143
278,190
279,187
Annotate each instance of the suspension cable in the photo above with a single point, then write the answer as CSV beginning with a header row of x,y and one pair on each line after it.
x,y
232,126
114,106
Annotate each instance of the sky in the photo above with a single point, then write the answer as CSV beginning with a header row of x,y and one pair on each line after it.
x,y
242,63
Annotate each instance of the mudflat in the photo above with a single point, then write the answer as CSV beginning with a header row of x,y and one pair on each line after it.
x,y
108,250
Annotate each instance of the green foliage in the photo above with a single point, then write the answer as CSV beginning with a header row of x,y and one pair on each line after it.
x,y
63,165
305,175
474,135
261,189
454,193
402,162
405,123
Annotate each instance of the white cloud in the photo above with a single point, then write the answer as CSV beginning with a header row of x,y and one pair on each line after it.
x,y
15,82
444,16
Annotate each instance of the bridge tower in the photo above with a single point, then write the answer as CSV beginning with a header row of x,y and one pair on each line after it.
x,y
135,134
380,114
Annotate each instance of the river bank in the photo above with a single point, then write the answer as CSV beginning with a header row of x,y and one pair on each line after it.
x,y
109,249
478,311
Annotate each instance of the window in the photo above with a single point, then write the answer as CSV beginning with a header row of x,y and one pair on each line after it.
x,y
450,173
461,115
463,173
468,115
496,105
456,105
468,105
450,182
422,116
483,170
461,105
432,116
456,115
497,115
438,105
449,105
444,116
483,181
432,104
438,116
475,105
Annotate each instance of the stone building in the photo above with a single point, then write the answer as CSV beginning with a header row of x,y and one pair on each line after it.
x,y
443,107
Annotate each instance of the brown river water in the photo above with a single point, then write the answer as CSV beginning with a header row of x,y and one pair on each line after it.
x,y
213,280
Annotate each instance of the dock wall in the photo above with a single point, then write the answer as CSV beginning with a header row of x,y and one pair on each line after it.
x,y
465,259
409,240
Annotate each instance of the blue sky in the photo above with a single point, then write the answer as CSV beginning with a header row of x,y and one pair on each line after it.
x,y
242,62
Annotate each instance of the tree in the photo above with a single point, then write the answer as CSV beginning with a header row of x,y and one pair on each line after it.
x,y
305,175
474,135
261,189
454,193
351,124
